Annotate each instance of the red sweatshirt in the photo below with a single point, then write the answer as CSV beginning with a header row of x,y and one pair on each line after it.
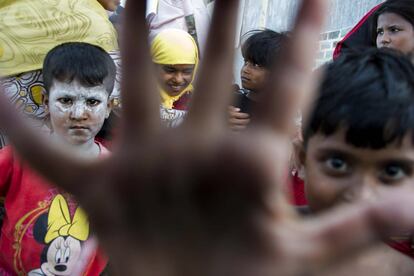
x,y
44,230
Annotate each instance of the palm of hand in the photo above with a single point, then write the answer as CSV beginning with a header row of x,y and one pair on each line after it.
x,y
198,200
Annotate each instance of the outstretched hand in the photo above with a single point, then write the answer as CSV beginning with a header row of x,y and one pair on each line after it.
x,y
198,200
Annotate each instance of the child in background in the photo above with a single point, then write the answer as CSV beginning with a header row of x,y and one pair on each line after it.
x,y
44,231
358,142
176,58
393,26
259,51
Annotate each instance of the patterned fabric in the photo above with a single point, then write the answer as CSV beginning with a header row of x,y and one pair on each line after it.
x,y
188,15
29,29
25,91
183,103
172,117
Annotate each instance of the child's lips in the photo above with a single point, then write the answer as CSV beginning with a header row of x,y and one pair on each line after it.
x,y
244,79
177,88
78,127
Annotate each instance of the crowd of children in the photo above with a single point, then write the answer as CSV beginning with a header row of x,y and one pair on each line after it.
x,y
237,183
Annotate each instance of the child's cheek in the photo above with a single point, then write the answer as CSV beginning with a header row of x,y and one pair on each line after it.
x,y
99,112
60,110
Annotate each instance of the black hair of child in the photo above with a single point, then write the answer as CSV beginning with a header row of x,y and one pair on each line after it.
x,y
404,8
84,62
370,95
262,46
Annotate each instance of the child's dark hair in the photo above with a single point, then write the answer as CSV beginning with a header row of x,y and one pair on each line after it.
x,y
370,95
404,8
86,63
262,46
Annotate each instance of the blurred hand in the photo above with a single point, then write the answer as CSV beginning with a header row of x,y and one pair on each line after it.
x,y
196,199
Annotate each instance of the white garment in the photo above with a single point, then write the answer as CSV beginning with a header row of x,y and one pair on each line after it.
x,y
170,14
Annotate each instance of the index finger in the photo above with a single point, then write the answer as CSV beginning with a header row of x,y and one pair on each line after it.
x,y
140,98
214,86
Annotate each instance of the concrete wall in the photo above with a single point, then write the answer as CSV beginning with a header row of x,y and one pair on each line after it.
x,y
347,13
278,15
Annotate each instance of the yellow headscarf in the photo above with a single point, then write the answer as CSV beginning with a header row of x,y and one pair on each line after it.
x,y
174,46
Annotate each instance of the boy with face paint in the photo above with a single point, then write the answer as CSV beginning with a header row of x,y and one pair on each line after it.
x,y
77,100
45,232
358,142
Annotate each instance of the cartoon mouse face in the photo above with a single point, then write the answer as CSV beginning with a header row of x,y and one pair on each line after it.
x,y
62,236
62,256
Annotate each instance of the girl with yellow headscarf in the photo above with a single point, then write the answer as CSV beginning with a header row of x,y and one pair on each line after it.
x,y
175,55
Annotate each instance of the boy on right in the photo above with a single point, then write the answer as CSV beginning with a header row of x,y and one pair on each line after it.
x,y
359,140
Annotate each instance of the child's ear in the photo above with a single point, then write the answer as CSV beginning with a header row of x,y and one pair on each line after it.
x,y
300,151
45,102
109,107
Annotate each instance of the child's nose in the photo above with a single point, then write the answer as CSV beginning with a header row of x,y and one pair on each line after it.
x,y
366,189
245,69
179,77
368,193
385,39
79,111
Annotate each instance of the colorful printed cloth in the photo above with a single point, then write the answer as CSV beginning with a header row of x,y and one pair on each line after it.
x,y
30,29
172,117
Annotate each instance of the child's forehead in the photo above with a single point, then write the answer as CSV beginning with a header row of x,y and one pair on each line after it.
x,y
337,142
76,89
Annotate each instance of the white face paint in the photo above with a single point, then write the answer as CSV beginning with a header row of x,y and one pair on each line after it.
x,y
77,112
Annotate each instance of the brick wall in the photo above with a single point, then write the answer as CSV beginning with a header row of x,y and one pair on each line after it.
x,y
327,44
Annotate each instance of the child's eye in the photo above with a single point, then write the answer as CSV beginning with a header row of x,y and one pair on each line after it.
x,y
394,30
65,100
393,172
380,31
252,64
336,165
168,69
188,72
93,102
